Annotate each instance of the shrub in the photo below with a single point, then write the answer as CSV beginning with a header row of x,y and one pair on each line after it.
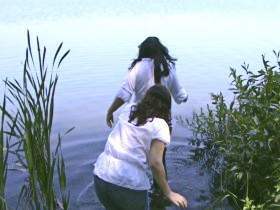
x,y
239,142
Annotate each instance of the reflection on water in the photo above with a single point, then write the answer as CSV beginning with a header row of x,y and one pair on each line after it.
x,y
103,37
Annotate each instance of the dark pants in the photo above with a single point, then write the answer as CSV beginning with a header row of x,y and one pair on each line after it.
x,y
114,197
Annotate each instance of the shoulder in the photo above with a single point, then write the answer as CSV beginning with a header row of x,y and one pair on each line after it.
x,y
142,68
144,63
147,62
161,130
159,122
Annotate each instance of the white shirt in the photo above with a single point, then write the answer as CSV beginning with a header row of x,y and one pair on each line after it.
x,y
124,161
141,77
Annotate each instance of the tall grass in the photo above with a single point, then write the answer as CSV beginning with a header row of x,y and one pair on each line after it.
x,y
3,157
31,126
240,141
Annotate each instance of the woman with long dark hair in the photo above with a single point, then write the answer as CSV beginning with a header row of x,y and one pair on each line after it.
x,y
153,66
135,146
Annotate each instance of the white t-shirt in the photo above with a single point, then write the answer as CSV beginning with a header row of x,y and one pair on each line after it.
x,y
141,77
124,161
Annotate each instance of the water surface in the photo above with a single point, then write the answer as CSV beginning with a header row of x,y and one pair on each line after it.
x,y
206,36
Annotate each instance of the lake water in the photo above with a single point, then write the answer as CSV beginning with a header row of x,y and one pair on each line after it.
x,y
206,36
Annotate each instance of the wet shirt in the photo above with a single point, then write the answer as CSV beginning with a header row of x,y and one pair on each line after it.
x,y
141,77
124,161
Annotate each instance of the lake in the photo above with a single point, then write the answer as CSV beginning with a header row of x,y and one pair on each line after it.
x,y
207,37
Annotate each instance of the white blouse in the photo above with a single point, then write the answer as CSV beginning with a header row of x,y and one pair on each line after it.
x,y
141,77
124,161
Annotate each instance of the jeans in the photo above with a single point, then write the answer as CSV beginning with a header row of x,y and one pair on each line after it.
x,y
114,197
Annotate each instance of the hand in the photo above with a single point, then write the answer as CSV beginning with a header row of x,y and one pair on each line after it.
x,y
110,119
177,199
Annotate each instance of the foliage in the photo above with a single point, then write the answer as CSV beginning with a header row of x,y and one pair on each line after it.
x,y
240,142
30,125
3,158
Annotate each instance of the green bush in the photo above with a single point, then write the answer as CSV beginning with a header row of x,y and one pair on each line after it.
x,y
239,142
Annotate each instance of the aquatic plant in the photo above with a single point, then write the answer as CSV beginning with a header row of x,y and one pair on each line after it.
x,y
30,125
239,142
3,157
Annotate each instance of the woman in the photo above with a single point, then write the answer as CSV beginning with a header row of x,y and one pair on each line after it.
x,y
153,66
135,146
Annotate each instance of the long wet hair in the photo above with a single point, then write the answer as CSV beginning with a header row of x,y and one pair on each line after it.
x,y
151,47
156,103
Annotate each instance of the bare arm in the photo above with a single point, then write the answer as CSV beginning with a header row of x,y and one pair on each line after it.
x,y
117,103
156,153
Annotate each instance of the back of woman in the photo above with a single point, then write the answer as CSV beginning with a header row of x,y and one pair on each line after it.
x,y
139,79
153,66
125,158
136,145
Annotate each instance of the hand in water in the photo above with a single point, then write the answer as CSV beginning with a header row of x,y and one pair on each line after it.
x,y
177,199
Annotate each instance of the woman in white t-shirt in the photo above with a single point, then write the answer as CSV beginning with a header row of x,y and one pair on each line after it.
x,y
135,146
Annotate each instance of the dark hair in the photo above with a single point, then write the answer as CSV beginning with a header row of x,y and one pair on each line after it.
x,y
156,103
151,47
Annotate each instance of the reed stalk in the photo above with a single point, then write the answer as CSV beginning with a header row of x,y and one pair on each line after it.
x,y
3,157
31,129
